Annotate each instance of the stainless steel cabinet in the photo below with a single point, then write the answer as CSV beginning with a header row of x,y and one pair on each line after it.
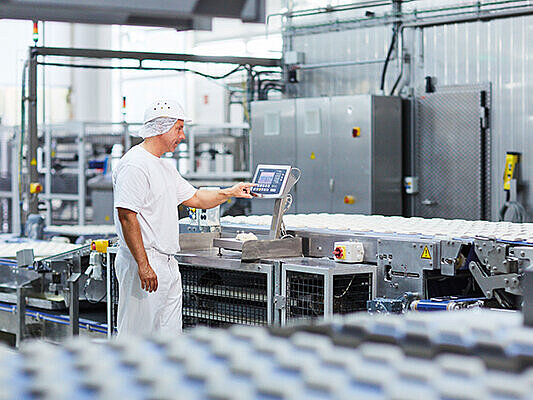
x,y
349,149
273,138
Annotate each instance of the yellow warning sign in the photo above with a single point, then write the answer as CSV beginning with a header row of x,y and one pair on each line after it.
x,y
426,254
313,156
33,161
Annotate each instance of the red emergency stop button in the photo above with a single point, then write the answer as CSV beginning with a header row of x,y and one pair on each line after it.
x,y
338,252
35,188
349,199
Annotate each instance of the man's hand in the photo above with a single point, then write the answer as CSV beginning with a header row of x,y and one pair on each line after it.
x,y
243,190
148,278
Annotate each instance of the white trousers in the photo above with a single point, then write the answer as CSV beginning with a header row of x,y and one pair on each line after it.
x,y
143,313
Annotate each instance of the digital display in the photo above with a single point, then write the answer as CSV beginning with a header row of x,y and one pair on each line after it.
x,y
266,178
270,180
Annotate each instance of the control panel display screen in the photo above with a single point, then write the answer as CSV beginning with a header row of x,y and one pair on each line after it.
x,y
266,178
270,181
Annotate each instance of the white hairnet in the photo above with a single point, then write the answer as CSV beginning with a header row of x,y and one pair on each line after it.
x,y
156,126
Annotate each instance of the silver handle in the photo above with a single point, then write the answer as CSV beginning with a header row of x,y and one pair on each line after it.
x,y
331,184
428,202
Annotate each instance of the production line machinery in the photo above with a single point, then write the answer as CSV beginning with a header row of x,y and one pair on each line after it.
x,y
272,270
52,290
316,265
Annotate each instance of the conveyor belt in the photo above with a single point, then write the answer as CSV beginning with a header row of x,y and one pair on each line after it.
x,y
56,318
251,363
505,231
40,249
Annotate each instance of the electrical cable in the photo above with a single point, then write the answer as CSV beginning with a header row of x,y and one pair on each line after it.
x,y
345,290
395,84
513,211
283,230
387,59
140,68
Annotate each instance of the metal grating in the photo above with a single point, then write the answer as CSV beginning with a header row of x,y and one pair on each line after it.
x,y
217,297
453,154
305,295
351,292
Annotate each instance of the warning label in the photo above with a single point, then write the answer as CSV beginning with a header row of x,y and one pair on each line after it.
x,y
426,254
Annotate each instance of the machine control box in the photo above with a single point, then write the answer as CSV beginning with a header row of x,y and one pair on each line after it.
x,y
271,180
349,252
411,184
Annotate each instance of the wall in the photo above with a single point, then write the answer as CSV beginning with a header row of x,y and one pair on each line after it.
x,y
498,51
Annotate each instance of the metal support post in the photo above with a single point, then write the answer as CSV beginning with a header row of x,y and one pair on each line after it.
x,y
277,218
31,157
527,308
82,185
21,315
15,173
74,304
279,207
109,298
127,137
48,173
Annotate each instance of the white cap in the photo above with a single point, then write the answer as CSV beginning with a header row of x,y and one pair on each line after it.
x,y
160,116
164,108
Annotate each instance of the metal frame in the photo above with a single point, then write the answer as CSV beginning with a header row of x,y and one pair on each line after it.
x,y
110,272
206,260
328,269
80,131
35,52
191,144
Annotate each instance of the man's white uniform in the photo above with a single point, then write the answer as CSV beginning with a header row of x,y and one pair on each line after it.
x,y
153,188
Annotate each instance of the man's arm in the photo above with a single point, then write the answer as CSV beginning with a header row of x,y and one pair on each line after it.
x,y
205,199
132,235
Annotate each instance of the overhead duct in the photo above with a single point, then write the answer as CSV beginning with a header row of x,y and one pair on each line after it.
x,y
179,14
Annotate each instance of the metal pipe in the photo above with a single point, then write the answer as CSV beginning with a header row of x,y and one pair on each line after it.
x,y
48,173
141,56
340,64
109,298
82,181
481,16
15,190
387,19
32,132
331,9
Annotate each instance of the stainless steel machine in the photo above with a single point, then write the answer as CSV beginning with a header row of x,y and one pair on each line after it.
x,y
272,270
348,146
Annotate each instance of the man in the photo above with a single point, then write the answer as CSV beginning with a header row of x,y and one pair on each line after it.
x,y
147,192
